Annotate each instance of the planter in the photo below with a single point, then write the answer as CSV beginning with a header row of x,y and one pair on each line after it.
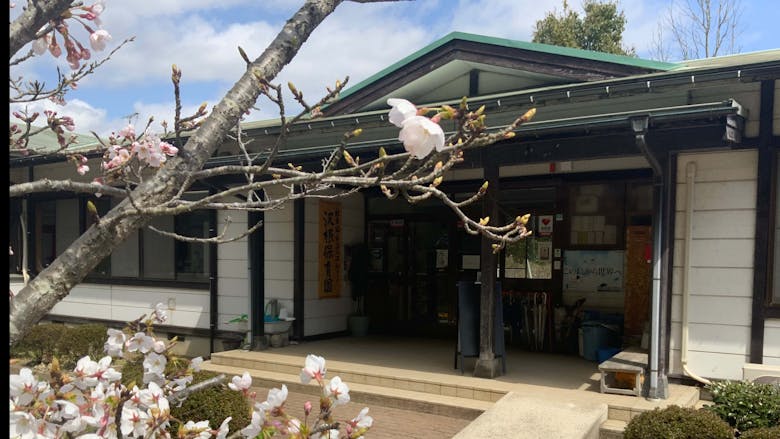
x,y
358,325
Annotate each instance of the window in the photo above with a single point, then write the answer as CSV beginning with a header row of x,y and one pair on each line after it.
x,y
145,255
597,215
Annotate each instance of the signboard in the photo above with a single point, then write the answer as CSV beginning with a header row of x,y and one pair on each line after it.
x,y
329,254
593,270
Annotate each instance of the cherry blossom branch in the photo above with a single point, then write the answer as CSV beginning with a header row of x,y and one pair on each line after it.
x,y
35,90
219,239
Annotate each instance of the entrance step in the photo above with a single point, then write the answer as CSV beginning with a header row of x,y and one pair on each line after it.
x,y
620,413
387,394
612,429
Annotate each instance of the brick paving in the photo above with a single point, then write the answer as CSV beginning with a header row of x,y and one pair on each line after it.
x,y
389,422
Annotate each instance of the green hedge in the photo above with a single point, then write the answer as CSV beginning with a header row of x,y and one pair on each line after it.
x,y
67,343
746,405
675,422
215,404
761,433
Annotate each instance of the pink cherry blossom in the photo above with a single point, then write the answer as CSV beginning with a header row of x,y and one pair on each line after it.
x,y
402,110
98,39
128,132
82,169
420,136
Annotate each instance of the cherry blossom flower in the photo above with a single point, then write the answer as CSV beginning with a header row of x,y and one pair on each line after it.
x,y
140,342
241,383
23,386
98,39
154,367
255,426
115,344
362,420
128,132
338,390
23,425
133,420
420,136
41,44
275,401
314,367
223,430
82,169
201,428
402,110
160,314
195,363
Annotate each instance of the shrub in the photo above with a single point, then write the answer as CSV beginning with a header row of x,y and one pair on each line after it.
x,y
676,422
81,340
215,404
68,344
746,405
41,343
761,433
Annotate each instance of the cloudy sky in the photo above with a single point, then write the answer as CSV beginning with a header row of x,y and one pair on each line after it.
x,y
201,37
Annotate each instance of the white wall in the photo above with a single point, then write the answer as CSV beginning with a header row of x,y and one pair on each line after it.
x,y
721,282
233,270
279,274
124,303
322,316
772,342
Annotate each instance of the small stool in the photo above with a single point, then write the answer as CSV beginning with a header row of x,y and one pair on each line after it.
x,y
626,366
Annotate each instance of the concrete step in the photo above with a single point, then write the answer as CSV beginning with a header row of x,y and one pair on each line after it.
x,y
424,402
612,429
535,417
402,379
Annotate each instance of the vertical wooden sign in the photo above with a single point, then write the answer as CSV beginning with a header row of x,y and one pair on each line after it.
x,y
329,249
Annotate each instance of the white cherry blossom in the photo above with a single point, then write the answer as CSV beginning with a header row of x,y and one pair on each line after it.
x,y
402,110
420,136
115,344
338,390
314,367
241,383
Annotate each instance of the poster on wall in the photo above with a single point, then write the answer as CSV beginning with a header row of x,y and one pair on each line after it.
x,y
329,252
593,270
545,226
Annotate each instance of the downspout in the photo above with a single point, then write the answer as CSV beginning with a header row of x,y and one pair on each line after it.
x,y
657,385
213,279
690,175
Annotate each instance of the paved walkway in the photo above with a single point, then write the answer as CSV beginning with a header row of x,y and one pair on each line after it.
x,y
389,423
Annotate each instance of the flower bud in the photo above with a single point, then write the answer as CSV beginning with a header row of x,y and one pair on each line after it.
x,y
307,407
523,219
483,188
484,221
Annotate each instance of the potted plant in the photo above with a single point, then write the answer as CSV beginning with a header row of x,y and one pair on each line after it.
x,y
242,323
358,278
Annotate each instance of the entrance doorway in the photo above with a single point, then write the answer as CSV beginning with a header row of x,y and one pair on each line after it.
x,y
412,282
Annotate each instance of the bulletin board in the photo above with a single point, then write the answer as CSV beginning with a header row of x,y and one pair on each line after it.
x,y
593,270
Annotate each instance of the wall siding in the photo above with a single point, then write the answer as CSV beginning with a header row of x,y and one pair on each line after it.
x,y
772,342
720,296
232,270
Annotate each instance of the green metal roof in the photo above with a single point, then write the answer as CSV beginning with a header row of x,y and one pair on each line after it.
x,y
45,142
514,44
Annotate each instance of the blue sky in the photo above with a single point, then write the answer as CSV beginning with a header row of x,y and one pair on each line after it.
x,y
201,37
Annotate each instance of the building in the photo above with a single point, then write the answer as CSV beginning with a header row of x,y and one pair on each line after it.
x,y
652,186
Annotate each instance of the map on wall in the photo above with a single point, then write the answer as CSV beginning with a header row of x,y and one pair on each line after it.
x,y
593,270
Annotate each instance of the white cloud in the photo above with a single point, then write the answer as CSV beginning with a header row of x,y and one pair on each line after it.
x,y
514,19
86,117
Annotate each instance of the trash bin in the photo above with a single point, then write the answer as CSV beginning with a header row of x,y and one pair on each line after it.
x,y
597,335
